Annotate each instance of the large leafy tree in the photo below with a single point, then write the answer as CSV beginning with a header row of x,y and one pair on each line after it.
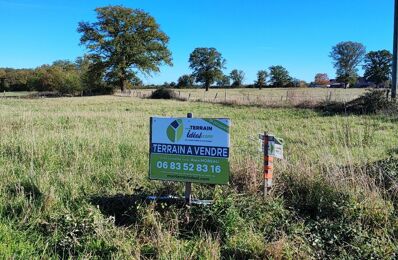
x,y
378,65
322,79
207,65
261,81
347,57
279,76
237,76
125,41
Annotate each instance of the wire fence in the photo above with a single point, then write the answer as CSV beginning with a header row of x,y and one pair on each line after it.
x,y
250,97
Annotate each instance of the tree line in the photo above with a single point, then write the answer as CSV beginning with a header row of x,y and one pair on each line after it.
x,y
123,43
62,77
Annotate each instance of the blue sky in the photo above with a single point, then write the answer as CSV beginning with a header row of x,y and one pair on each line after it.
x,y
251,34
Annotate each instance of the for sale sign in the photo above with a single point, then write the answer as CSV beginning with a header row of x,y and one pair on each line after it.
x,y
189,150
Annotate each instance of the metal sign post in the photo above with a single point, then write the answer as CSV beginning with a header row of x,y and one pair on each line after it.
x,y
188,185
268,164
272,147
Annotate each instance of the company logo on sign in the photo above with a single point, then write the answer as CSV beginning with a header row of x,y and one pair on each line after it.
x,y
175,131
199,132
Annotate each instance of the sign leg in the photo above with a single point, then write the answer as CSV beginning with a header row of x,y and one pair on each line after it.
x,y
188,190
188,185
268,164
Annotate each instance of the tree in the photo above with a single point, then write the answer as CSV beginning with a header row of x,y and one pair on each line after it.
x,y
207,65
92,75
17,79
124,41
297,83
303,84
237,76
69,77
3,80
322,79
61,79
261,81
66,65
185,81
279,76
378,66
224,81
347,56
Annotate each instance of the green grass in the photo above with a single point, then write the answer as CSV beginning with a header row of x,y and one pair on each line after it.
x,y
73,172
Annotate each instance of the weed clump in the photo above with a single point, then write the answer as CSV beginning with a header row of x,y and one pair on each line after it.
x,y
26,188
246,177
372,102
338,222
385,174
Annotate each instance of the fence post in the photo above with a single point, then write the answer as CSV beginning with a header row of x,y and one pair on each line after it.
x,y
188,185
268,164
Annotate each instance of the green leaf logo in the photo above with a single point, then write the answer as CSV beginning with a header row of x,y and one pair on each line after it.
x,y
175,131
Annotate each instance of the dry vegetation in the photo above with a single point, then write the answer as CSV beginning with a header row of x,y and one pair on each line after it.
x,y
265,97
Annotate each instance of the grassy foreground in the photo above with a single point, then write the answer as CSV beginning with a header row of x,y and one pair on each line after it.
x,y
74,171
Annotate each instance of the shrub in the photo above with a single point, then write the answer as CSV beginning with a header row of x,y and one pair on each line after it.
x,y
164,93
372,102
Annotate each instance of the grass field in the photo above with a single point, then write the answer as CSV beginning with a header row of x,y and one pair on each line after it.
x,y
266,96
74,171
16,94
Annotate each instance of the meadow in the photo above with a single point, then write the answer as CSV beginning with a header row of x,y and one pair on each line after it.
x,y
265,96
75,176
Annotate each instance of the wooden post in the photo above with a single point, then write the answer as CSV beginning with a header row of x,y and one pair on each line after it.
x,y
268,164
188,185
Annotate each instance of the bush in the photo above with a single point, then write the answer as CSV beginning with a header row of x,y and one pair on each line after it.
x,y
372,102
164,93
